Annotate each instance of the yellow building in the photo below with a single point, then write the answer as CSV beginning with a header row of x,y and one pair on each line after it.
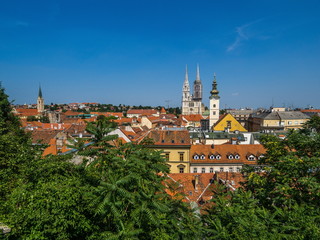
x,y
175,146
277,120
228,122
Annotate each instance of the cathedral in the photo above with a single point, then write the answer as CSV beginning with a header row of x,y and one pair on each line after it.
x,y
192,104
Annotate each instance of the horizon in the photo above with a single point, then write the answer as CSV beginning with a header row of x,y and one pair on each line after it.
x,y
134,53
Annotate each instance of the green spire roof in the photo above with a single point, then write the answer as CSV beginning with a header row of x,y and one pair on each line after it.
x,y
214,92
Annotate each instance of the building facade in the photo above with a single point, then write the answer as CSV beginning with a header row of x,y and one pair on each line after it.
x,y
192,104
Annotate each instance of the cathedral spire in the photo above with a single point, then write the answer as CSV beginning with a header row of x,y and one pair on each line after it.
x,y
198,74
186,79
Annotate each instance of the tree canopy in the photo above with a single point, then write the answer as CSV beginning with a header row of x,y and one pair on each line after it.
x,y
279,200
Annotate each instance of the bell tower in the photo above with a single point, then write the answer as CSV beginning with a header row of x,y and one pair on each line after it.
x,y
197,87
40,102
214,103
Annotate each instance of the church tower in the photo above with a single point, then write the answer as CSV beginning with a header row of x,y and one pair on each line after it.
x,y
40,102
186,98
197,87
214,103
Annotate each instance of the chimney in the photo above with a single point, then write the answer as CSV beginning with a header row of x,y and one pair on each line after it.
x,y
196,182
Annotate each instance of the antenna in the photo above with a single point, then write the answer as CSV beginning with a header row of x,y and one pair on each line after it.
x,y
167,103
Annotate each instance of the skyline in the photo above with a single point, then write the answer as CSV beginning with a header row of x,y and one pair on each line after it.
x,y
135,53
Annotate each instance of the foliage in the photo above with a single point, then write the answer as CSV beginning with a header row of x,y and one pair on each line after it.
x,y
116,194
279,200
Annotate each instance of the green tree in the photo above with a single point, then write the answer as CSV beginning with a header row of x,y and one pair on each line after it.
x,y
279,200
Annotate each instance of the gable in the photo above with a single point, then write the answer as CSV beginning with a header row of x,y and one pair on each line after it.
x,y
228,121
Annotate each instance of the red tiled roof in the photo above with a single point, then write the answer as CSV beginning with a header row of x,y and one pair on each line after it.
x,y
311,110
193,117
198,187
27,112
243,151
170,137
142,111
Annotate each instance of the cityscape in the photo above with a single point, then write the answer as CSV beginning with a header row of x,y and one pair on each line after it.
x,y
160,120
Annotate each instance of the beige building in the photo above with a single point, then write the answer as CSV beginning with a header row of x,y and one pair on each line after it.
x,y
224,158
175,146
276,120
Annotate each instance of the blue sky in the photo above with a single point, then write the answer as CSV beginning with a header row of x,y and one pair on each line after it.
x,y
135,52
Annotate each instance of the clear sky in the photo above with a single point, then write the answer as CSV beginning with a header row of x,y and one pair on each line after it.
x,y
135,52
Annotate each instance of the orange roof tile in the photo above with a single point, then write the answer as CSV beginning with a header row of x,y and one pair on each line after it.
x,y
170,137
193,117
27,112
243,151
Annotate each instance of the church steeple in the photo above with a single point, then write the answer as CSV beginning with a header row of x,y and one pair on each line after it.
x,y
197,87
40,102
214,104
198,74
186,86
214,92
40,92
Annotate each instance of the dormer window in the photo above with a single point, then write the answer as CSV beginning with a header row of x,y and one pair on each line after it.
x,y
218,157
261,156
251,157
211,157
162,141
202,157
195,157
172,141
230,157
237,156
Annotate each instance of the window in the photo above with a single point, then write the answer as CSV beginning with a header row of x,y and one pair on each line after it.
x,y
167,156
251,158
172,141
238,169
229,124
211,157
261,156
202,157
289,122
203,170
230,169
195,157
214,105
214,112
237,157
221,169
211,170
181,156
181,170
195,170
230,157
218,157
